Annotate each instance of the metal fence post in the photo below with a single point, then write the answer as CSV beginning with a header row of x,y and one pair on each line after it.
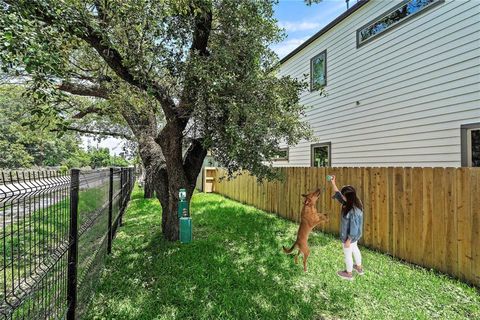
x,y
132,179
110,213
73,245
130,184
122,196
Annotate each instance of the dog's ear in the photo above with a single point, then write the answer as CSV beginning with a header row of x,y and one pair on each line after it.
x,y
304,195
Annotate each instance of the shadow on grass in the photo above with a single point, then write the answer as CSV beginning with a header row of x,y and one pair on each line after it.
x,y
235,269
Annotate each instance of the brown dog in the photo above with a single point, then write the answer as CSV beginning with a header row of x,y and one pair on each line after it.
x,y
309,219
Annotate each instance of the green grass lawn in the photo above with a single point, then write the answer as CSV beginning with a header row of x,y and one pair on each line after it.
x,y
235,269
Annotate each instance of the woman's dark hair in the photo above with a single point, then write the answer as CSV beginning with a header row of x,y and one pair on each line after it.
x,y
352,200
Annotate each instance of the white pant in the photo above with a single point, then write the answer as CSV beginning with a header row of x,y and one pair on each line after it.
x,y
348,256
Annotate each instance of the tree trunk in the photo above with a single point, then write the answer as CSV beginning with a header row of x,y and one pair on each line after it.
x,y
166,169
180,172
176,181
167,187
161,190
148,188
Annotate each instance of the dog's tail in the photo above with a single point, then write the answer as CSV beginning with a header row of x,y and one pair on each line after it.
x,y
287,251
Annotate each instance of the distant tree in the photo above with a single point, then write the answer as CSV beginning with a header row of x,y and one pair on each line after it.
x,y
23,146
99,157
79,159
118,161
94,158
14,155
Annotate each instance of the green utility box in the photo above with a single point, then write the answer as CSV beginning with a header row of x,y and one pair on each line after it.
x,y
185,229
182,203
183,214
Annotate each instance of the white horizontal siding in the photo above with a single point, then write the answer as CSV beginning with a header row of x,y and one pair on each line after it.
x,y
415,85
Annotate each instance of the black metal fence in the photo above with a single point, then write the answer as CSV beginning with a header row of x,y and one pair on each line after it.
x,y
56,231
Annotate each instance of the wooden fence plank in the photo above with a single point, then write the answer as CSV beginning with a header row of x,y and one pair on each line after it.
x,y
439,219
269,194
299,188
427,234
451,257
383,214
408,228
375,199
284,195
416,236
367,208
321,201
248,185
475,208
464,225
235,189
282,210
329,201
280,197
258,193
362,188
398,214
291,192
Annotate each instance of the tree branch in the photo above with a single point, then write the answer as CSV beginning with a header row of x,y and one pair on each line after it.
x,y
116,62
104,133
87,111
201,34
203,26
80,89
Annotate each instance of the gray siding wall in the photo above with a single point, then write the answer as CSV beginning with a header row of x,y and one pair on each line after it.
x,y
416,85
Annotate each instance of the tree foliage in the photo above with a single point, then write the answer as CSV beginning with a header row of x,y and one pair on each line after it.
x,y
310,2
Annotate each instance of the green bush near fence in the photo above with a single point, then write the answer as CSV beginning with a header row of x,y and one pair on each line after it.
x,y
235,269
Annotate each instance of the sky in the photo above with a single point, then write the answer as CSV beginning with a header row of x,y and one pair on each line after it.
x,y
300,23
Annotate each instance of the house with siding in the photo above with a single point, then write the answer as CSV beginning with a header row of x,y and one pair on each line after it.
x,y
401,82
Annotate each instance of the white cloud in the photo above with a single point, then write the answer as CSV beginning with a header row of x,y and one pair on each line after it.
x,y
287,46
290,26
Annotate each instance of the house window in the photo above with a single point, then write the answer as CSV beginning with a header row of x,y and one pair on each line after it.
x,y
282,154
470,135
321,155
393,18
318,71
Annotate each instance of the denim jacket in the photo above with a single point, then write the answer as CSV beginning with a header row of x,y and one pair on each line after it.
x,y
352,223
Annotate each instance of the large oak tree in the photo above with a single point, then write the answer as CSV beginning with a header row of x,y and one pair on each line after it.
x,y
184,76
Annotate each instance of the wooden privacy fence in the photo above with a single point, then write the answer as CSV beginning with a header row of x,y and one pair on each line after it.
x,y
427,216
